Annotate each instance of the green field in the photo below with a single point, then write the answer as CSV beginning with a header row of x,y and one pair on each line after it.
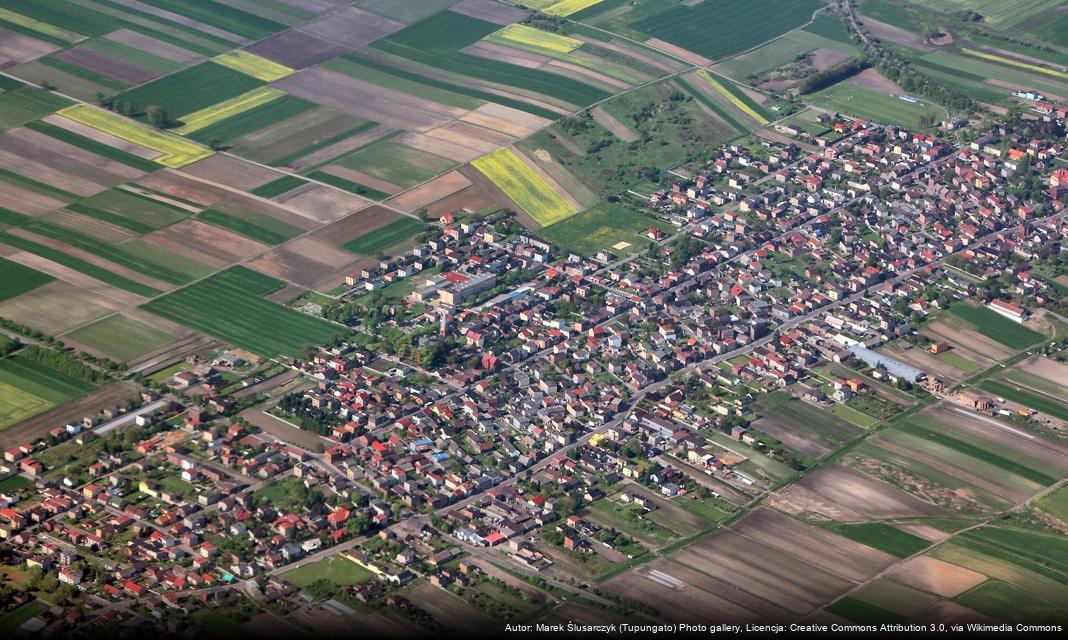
x,y
28,388
603,227
218,14
253,120
120,337
883,537
337,570
348,185
278,187
27,103
372,72
863,613
384,237
395,163
79,265
752,22
229,306
1056,504
997,327
869,104
855,416
1041,403
16,279
190,90
958,361
133,211
12,620
1006,602
251,224
436,42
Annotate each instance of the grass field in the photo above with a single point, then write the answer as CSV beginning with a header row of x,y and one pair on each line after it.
x,y
858,418
277,187
603,227
121,338
1044,404
190,90
28,388
883,537
996,326
954,359
12,620
736,97
1056,504
337,570
532,38
16,279
874,105
53,32
751,22
253,120
253,65
525,187
1006,602
177,152
372,243
227,109
130,210
229,306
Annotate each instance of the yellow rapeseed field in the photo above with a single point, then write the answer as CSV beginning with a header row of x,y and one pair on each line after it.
x,y
227,108
525,187
177,151
534,38
728,94
1015,63
567,7
253,65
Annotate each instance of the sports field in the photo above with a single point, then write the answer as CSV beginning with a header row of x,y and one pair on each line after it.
x,y
610,226
525,187
869,104
229,306
177,152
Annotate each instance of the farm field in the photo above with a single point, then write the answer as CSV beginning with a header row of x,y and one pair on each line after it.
x,y
735,96
28,388
803,427
607,226
394,163
190,90
235,106
883,537
997,327
129,210
16,279
253,65
120,337
26,103
1045,404
393,233
176,152
752,23
230,306
520,183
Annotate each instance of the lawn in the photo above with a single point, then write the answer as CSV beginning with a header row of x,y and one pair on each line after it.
x,y
524,186
121,338
384,237
337,570
603,227
229,306
874,105
996,326
751,22
883,537
16,279
1040,403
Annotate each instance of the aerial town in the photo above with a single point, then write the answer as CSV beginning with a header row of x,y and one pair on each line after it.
x,y
325,318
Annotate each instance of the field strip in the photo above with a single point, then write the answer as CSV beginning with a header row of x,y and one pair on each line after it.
x,y
1014,63
534,38
567,7
177,152
728,94
227,108
253,65
40,27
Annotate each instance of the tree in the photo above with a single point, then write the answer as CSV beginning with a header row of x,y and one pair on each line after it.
x,y
159,117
